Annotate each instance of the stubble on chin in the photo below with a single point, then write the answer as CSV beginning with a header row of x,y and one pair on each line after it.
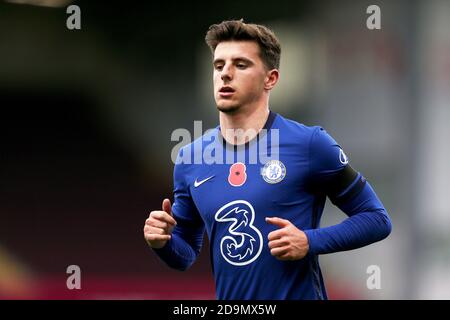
x,y
228,109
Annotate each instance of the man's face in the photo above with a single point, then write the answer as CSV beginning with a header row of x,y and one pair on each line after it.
x,y
239,75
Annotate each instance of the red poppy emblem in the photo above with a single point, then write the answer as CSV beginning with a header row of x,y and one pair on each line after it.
x,y
237,175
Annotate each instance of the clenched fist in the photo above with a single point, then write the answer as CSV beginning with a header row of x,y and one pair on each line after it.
x,y
159,225
288,242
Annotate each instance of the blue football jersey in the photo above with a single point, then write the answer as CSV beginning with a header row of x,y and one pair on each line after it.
x,y
287,171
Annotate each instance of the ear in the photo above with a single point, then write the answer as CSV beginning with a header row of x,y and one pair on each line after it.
x,y
271,80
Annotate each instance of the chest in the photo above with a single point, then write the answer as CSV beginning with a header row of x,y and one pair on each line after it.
x,y
266,186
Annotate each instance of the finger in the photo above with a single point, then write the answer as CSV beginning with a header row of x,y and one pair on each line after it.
x,y
158,224
150,229
167,207
278,243
156,230
163,216
150,220
277,234
279,251
157,237
285,257
278,222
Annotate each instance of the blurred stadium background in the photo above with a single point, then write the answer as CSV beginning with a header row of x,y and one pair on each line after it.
x,y
86,119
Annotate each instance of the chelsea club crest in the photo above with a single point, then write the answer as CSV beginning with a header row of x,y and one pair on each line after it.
x,y
273,171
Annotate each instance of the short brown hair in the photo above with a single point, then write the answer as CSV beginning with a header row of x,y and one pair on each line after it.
x,y
237,30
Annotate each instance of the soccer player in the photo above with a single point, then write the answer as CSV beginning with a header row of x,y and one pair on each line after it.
x,y
262,219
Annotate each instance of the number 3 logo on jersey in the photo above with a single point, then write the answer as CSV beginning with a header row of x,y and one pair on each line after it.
x,y
243,243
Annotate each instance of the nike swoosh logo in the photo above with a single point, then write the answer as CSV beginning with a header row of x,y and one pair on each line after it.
x,y
198,183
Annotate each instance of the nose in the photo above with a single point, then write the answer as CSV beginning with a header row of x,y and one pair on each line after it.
x,y
226,74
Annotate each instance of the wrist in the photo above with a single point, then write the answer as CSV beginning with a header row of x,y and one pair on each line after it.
x,y
310,235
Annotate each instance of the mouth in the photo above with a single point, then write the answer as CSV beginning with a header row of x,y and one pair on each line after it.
x,y
226,91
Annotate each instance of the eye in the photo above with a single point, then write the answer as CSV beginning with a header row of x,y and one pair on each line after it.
x,y
241,65
218,67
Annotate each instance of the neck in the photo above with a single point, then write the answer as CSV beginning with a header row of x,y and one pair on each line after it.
x,y
242,126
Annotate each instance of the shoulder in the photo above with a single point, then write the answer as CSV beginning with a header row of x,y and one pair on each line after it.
x,y
296,130
323,150
325,153
321,138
